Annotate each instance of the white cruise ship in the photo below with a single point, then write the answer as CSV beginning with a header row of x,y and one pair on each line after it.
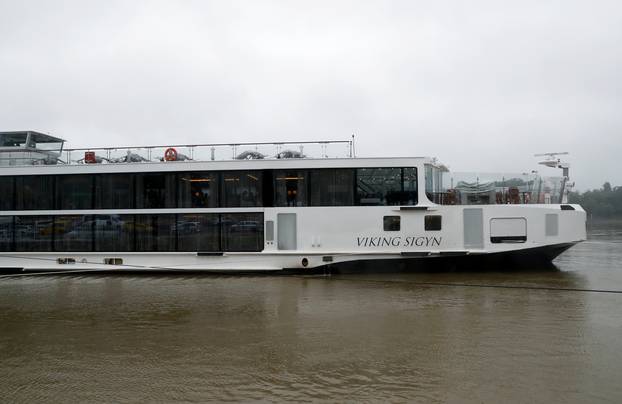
x,y
265,207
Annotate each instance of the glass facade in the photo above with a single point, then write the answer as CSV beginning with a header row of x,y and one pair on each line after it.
x,y
210,189
332,187
114,191
200,232
409,179
74,192
155,190
6,233
34,192
73,233
242,231
7,187
155,232
379,186
191,232
290,188
113,233
198,190
34,233
242,189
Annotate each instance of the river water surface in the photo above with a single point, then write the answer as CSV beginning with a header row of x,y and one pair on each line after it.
x,y
538,335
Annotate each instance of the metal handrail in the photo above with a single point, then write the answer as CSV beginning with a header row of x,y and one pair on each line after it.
x,y
213,145
233,145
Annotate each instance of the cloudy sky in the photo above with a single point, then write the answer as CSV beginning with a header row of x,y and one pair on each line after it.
x,y
482,85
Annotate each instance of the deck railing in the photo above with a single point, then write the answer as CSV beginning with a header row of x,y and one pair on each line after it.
x,y
211,151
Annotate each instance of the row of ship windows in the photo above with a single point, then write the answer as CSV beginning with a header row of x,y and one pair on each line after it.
x,y
210,232
430,223
210,189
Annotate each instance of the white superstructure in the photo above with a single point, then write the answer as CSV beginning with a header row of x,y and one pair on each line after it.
x,y
135,212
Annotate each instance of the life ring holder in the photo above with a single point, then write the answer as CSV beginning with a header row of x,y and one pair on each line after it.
x,y
170,154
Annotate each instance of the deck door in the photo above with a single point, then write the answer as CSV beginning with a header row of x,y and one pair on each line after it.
x,y
473,228
286,231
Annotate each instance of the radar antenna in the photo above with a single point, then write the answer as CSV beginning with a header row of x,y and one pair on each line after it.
x,y
551,160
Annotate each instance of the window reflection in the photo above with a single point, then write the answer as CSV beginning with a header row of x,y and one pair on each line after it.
x,y
198,190
379,186
6,190
6,233
34,192
74,192
409,197
114,232
155,232
34,233
155,191
200,232
242,231
332,187
290,188
114,191
242,188
73,233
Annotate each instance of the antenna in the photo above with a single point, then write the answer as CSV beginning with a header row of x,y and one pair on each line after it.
x,y
552,161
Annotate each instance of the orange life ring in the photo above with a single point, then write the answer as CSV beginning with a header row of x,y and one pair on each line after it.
x,y
170,154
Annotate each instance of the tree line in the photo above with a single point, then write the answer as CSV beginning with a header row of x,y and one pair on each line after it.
x,y
603,202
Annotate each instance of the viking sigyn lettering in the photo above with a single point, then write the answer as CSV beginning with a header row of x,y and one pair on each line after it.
x,y
398,241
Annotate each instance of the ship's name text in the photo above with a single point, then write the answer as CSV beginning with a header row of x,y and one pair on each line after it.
x,y
397,241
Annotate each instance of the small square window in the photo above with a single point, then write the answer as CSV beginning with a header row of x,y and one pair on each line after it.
x,y
433,222
391,223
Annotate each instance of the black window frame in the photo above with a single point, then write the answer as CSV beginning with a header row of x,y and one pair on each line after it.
x,y
7,190
41,199
391,223
433,222
106,188
65,191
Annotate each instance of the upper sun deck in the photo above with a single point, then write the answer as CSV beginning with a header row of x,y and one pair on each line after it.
x,y
24,156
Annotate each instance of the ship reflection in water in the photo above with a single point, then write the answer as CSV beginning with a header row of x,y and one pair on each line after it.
x,y
399,336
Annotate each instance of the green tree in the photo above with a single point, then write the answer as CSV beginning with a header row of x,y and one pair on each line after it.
x,y
604,202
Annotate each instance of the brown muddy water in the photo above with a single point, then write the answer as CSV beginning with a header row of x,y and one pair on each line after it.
x,y
495,336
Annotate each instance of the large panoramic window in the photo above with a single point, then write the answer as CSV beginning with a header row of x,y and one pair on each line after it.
x,y
378,186
155,190
6,233
114,233
242,231
198,190
409,197
7,192
114,191
211,189
290,187
34,192
205,232
34,233
74,192
241,189
73,233
433,183
155,232
198,232
332,187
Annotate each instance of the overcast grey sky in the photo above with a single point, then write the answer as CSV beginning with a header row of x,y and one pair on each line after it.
x,y
482,85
